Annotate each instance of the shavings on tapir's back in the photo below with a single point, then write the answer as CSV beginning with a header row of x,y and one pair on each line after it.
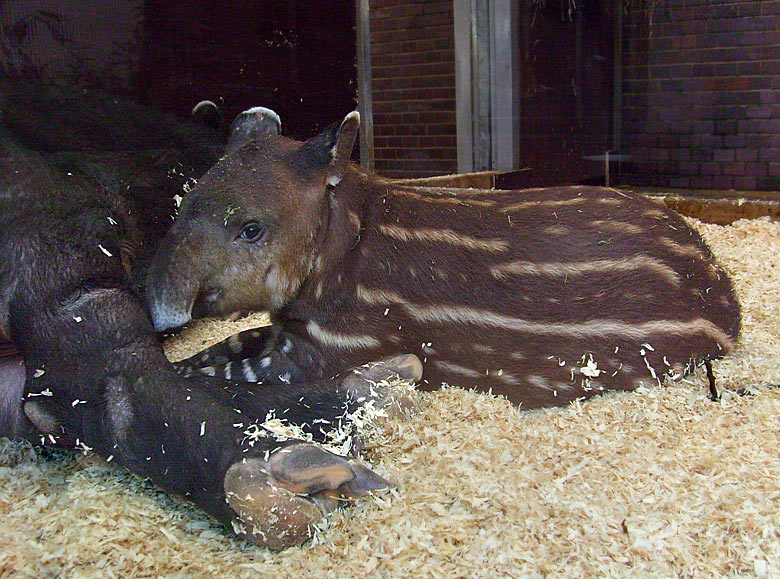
x,y
544,295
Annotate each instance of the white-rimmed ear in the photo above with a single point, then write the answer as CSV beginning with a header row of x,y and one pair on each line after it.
x,y
252,124
341,152
333,147
207,113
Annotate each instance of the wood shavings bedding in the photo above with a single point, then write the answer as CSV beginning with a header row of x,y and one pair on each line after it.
x,y
660,482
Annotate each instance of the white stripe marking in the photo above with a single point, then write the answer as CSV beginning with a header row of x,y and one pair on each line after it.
x,y
443,236
337,340
249,374
566,269
591,328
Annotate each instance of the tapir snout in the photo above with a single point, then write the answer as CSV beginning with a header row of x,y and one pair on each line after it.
x,y
170,294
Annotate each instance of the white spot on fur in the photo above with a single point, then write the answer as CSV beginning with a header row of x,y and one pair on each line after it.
x,y
539,382
483,349
119,408
683,249
234,342
543,204
318,263
354,220
557,230
279,286
617,226
435,197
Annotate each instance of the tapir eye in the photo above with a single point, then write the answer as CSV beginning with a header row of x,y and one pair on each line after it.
x,y
251,232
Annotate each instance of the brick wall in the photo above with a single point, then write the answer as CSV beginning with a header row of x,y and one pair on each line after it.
x,y
701,94
413,87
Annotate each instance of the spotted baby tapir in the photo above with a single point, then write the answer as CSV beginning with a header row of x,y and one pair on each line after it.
x,y
541,295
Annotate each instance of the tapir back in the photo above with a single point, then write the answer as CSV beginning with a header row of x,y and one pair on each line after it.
x,y
543,295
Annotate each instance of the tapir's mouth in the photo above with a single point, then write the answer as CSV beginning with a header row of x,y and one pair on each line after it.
x,y
210,295
205,304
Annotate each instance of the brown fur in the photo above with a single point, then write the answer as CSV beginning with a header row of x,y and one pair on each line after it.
x,y
542,295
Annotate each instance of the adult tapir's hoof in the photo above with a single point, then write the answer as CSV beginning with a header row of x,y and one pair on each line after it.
x,y
373,381
278,501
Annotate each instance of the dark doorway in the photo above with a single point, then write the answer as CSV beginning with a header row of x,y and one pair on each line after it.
x,y
567,89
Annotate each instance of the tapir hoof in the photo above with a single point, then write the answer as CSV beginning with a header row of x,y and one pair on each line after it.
x,y
277,502
373,381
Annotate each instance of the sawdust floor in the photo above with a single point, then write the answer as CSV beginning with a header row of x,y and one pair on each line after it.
x,y
661,482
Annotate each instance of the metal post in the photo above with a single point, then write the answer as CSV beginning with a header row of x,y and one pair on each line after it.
x,y
481,85
504,84
463,83
365,107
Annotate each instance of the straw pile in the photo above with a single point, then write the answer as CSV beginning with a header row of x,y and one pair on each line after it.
x,y
661,482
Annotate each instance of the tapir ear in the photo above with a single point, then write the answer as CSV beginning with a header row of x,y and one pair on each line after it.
x,y
252,124
207,113
333,148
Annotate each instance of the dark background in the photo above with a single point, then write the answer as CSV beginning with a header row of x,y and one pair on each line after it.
x,y
295,57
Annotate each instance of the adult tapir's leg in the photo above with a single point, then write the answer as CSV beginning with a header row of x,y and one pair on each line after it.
x,y
193,437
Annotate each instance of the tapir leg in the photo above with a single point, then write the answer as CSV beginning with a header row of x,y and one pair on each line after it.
x,y
204,439
238,347
246,356
96,375
261,355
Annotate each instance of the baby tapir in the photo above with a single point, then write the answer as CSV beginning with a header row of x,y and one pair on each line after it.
x,y
544,295
81,364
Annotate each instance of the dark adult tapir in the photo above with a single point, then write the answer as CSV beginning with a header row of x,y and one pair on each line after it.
x,y
544,295
80,362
